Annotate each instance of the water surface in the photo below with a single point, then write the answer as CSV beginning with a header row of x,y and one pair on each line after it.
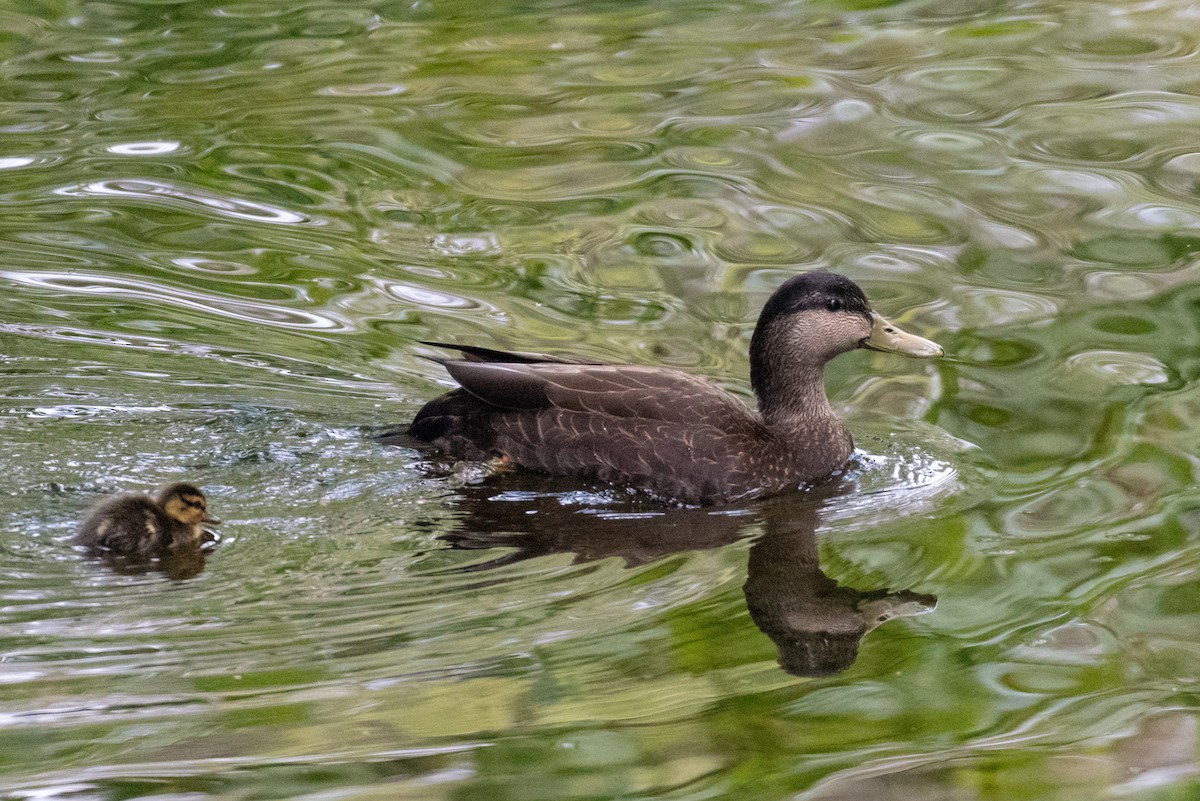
x,y
225,227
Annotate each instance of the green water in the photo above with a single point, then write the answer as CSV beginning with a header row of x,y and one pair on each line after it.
x,y
224,227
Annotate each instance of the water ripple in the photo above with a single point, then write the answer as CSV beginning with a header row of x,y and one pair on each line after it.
x,y
145,148
77,283
225,227
159,191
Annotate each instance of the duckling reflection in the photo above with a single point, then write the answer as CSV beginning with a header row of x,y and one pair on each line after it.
x,y
134,532
815,623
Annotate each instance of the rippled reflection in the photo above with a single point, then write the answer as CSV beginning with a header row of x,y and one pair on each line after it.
x,y
146,190
815,623
78,283
177,565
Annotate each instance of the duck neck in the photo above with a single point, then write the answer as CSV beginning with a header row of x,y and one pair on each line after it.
x,y
796,400
790,388
185,534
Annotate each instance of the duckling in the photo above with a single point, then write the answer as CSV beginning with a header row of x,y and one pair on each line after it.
x,y
678,436
134,524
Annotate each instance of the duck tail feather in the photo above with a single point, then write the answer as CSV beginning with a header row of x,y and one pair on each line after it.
x,y
474,353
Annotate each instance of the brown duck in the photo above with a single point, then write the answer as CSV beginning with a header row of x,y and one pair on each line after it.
x,y
673,434
134,524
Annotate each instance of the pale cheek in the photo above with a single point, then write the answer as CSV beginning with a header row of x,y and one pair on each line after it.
x,y
825,340
826,334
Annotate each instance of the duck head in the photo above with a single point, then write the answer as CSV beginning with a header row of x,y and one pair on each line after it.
x,y
185,503
810,319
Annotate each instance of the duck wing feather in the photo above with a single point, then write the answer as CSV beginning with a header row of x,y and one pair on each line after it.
x,y
661,429
621,391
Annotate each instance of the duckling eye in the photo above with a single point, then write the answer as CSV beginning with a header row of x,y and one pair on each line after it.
x,y
833,304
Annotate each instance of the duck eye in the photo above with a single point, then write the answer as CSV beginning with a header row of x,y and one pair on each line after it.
x,y
834,304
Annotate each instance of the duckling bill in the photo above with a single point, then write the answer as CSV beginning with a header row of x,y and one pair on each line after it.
x,y
676,435
135,524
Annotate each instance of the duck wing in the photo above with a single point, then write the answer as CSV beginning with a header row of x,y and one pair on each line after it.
x,y
618,391
673,433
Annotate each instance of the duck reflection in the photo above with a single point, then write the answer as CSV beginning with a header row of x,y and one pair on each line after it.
x,y
177,565
815,622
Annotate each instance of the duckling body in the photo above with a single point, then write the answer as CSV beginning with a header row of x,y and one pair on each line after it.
x,y
677,435
135,524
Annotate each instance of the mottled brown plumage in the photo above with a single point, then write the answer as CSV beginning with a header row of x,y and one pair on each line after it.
x,y
676,435
134,524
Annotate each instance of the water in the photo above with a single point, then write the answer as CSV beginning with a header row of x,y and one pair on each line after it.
x,y
225,226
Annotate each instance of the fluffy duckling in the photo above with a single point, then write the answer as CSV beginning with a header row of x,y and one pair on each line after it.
x,y
135,524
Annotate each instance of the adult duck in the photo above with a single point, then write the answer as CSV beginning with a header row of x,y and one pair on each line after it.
x,y
676,435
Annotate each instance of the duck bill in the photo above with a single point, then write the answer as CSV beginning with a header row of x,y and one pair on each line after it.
x,y
890,338
212,521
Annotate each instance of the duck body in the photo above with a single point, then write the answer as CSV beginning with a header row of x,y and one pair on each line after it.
x,y
135,524
673,434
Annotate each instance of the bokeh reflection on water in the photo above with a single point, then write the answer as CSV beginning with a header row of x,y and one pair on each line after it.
x,y
225,225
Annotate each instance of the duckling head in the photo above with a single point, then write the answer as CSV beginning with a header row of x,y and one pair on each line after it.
x,y
185,503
